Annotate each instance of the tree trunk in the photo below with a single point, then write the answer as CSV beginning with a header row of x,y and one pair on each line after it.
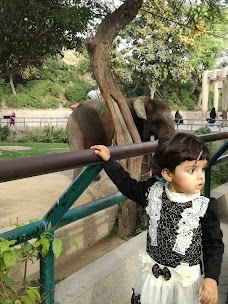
x,y
99,48
12,85
152,90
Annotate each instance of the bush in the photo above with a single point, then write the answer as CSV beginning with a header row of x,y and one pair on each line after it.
x,y
55,90
50,102
48,134
219,175
203,130
36,101
187,100
55,70
51,135
84,65
76,92
19,101
4,133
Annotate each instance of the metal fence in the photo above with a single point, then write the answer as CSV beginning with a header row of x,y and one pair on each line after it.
x,y
60,122
25,122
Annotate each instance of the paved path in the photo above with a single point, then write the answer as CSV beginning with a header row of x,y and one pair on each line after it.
x,y
31,198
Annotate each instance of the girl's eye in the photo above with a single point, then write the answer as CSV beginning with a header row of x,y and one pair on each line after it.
x,y
191,170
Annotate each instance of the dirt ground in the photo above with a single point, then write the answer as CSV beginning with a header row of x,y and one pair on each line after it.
x,y
30,198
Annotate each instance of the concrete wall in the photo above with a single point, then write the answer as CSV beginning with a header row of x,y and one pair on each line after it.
x,y
221,193
110,279
87,232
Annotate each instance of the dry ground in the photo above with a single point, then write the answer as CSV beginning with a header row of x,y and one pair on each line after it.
x,y
30,198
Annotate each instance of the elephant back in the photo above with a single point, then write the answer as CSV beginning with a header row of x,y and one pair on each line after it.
x,y
93,123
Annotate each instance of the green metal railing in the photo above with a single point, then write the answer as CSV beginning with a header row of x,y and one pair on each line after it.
x,y
60,213
215,159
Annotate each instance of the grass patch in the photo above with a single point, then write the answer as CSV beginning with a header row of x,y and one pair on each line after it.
x,y
34,149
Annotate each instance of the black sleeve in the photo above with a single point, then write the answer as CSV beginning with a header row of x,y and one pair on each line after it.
x,y
213,246
131,188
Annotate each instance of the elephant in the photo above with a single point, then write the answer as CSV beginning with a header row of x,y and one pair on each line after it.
x,y
90,123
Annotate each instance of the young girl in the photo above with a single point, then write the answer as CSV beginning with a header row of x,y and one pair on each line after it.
x,y
183,225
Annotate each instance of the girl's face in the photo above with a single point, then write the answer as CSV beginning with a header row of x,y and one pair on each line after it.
x,y
188,177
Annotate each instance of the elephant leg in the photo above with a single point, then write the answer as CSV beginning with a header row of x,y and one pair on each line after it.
x,y
75,141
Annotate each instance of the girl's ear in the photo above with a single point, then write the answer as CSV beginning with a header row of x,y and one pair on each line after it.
x,y
166,174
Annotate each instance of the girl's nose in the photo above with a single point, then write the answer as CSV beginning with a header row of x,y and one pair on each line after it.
x,y
200,174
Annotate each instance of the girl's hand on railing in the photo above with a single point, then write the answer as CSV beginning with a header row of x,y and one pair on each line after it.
x,y
101,151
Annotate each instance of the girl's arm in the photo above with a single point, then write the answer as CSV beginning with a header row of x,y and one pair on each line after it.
x,y
131,188
213,249
213,246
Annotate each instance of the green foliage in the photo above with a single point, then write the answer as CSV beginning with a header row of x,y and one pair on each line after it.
x,y
4,133
48,134
203,130
172,99
35,94
76,92
35,30
55,70
84,65
186,100
12,292
55,90
220,175
25,101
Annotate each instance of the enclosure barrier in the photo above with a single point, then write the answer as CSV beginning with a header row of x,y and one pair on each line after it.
x,y
25,123
59,214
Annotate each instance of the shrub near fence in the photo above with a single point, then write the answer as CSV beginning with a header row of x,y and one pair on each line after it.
x,y
46,134
23,122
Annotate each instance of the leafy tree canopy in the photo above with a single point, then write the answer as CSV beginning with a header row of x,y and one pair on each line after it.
x,y
158,44
35,29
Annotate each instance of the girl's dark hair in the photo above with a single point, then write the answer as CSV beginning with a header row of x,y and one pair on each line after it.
x,y
175,149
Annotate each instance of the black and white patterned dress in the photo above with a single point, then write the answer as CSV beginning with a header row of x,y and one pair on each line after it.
x,y
183,230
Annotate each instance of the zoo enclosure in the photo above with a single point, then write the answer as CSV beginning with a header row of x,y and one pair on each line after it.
x,y
59,215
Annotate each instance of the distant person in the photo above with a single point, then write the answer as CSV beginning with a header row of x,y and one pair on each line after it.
x,y
178,119
213,115
12,119
94,94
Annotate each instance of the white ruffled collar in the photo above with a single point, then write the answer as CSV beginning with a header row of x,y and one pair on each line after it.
x,y
179,197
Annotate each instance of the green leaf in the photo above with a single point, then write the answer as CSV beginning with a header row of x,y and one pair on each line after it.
x,y
37,243
6,279
4,245
9,258
33,293
57,247
27,246
45,246
25,300
17,302
73,242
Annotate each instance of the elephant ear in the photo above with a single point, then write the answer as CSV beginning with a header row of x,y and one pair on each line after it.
x,y
139,107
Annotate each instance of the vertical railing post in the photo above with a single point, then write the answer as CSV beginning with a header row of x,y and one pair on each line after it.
x,y
218,153
207,187
47,282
